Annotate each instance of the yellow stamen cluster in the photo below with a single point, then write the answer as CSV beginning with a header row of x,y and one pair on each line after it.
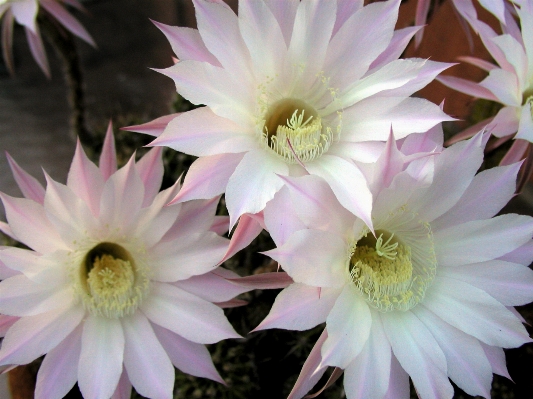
x,y
113,284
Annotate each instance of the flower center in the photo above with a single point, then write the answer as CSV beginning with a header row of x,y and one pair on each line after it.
x,y
388,271
293,130
113,285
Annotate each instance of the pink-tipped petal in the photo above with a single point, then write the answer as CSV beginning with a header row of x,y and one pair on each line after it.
x,y
247,230
7,40
466,86
421,15
124,387
312,370
150,168
398,381
300,307
108,157
220,225
480,63
397,46
67,20
59,370
37,50
189,357
496,357
153,128
208,177
264,281
29,185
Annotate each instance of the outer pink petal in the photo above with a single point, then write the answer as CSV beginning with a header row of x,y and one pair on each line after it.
x,y
189,357
150,168
300,307
201,132
312,370
208,177
263,281
187,43
153,128
102,352
212,287
347,182
33,336
155,378
280,219
508,283
7,40
85,180
505,122
398,381
496,357
418,353
28,221
285,12
29,185
422,10
482,240
465,86
523,255
467,364
480,63
5,323
349,324
396,47
124,387
313,257
67,20
187,315
37,49
475,312
108,157
254,183
494,188
194,217
59,370
247,230
367,376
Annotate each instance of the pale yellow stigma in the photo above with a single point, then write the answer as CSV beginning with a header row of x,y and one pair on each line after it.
x,y
113,285
385,272
293,130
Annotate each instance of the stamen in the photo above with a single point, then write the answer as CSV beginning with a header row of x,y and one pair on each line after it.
x,y
386,250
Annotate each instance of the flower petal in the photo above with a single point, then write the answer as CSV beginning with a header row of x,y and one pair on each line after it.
x,y
29,185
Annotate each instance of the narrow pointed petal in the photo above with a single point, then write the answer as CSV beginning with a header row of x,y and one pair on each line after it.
x,y
208,177
505,122
482,240
306,254
523,255
194,319
349,324
201,132
155,379
59,370
108,157
480,63
37,50
505,86
85,180
67,20
466,86
187,43
493,187
496,358
508,283
398,381
264,281
247,230
475,312
33,336
194,217
312,370
348,184
7,40
300,307
189,357
419,354
253,184
29,185
421,15
467,364
102,353
153,128
396,47
124,387
150,168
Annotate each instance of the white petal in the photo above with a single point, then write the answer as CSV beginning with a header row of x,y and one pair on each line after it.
x,y
475,312
398,381
187,315
194,217
254,183
102,351
482,240
300,307
146,362
505,87
348,324
313,257
468,366
515,54
525,125
419,354
59,370
150,168
367,376
496,357
508,283
189,357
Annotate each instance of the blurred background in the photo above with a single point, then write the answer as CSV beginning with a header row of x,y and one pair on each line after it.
x,y
35,128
